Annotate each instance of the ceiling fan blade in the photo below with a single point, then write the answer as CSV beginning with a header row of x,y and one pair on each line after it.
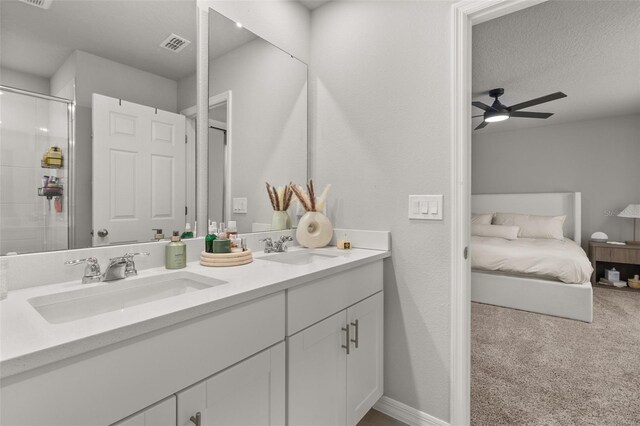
x,y
482,125
476,116
525,114
537,101
481,105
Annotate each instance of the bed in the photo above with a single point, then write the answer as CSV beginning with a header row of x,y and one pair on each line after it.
x,y
544,291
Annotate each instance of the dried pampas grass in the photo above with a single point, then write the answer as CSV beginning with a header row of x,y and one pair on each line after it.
x,y
308,197
280,197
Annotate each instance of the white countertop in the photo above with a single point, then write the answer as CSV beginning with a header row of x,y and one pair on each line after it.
x,y
28,341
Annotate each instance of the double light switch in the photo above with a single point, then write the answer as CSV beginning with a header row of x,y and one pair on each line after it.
x,y
426,207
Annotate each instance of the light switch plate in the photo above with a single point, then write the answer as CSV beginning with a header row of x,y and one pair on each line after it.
x,y
239,205
425,207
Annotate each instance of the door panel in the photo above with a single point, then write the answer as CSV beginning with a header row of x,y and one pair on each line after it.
x,y
138,170
249,393
162,414
364,363
317,374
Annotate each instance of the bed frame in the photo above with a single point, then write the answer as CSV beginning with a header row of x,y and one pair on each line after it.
x,y
574,301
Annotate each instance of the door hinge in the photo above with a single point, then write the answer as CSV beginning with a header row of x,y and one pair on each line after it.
x,y
185,210
185,138
465,253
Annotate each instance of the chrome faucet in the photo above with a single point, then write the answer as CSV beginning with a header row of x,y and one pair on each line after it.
x,y
118,268
91,271
130,269
115,270
278,246
268,245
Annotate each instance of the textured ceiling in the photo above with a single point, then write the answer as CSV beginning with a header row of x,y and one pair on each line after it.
x,y
589,50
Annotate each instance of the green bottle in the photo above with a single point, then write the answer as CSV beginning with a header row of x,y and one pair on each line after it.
x,y
175,253
187,232
211,236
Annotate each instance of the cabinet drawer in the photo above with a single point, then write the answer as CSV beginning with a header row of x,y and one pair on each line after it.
x,y
108,384
617,255
312,302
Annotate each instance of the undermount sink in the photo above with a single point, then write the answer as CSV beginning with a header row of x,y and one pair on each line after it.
x,y
302,257
117,296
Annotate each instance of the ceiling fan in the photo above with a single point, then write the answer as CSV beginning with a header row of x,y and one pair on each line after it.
x,y
499,112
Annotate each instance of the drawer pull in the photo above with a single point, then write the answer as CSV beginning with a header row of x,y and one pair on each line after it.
x,y
197,419
355,324
346,329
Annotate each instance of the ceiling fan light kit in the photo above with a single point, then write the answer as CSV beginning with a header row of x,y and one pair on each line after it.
x,y
500,112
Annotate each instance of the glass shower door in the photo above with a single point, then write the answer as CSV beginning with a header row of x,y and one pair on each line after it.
x,y
34,178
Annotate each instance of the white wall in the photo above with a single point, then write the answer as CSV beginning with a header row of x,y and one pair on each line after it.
x,y
380,124
21,80
599,158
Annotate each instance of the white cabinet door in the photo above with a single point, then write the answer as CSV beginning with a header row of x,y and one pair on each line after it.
x,y
138,170
249,393
317,374
364,363
161,414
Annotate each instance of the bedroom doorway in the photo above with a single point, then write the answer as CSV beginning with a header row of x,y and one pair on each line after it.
x,y
466,13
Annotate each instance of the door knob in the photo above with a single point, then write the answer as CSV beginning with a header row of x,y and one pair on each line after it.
x,y
102,233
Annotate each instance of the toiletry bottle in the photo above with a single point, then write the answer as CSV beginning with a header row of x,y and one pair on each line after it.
x,y
344,243
158,235
187,232
232,228
211,236
222,231
175,254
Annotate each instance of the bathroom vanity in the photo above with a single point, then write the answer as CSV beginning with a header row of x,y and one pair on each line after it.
x,y
292,338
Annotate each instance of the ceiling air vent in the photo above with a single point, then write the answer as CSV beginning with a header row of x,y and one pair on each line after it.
x,y
175,43
42,4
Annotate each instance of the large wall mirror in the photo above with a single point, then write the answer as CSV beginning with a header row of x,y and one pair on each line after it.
x,y
78,169
257,124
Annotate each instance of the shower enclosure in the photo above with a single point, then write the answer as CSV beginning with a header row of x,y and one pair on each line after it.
x,y
36,146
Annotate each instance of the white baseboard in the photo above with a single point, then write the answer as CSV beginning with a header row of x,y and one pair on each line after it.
x,y
406,414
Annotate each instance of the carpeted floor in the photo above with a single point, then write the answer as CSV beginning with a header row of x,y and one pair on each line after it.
x,y
532,369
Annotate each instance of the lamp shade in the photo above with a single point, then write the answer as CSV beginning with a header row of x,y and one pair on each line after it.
x,y
632,210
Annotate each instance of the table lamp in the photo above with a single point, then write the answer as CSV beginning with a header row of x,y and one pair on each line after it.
x,y
633,211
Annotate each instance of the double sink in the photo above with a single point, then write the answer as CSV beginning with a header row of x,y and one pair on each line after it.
x,y
73,305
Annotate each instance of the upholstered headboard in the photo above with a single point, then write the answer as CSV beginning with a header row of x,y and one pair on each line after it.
x,y
547,204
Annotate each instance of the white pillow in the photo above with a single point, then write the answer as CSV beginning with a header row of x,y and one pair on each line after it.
x,y
481,218
499,231
533,226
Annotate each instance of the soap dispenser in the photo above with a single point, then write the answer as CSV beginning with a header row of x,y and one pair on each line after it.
x,y
175,253
210,237
187,232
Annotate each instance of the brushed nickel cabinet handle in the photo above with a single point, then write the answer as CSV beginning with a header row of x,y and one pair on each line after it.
x,y
346,329
355,324
196,419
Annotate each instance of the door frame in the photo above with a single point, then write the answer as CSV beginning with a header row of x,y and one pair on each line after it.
x,y
202,173
466,13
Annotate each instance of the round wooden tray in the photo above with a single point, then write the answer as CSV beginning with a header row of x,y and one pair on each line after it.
x,y
226,259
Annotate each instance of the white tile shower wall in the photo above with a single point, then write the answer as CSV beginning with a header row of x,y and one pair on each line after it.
x,y
28,222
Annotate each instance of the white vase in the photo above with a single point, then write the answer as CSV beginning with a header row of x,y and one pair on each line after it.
x,y
280,220
314,230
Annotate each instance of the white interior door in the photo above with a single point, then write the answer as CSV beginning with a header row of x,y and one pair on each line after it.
x,y
251,393
138,171
317,374
364,363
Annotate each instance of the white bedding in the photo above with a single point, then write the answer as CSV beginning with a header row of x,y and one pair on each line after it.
x,y
562,260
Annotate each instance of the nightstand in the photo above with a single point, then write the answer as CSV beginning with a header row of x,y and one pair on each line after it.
x,y
625,259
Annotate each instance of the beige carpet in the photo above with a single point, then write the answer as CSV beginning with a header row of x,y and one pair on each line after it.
x,y
532,369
